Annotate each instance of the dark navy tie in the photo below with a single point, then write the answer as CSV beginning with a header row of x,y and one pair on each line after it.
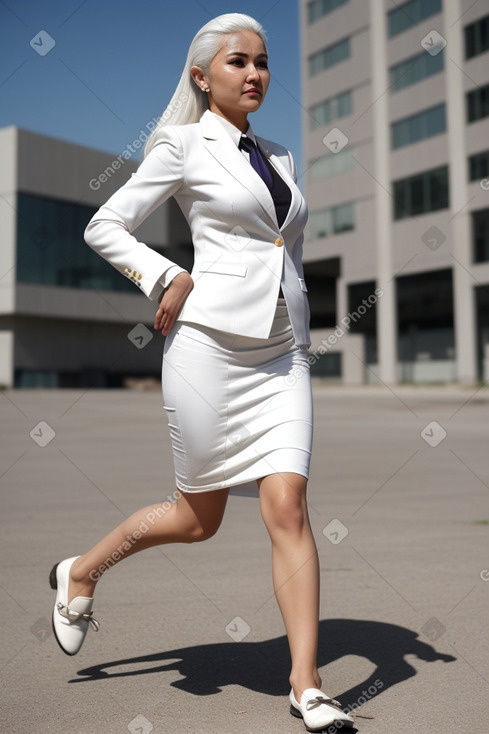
x,y
256,160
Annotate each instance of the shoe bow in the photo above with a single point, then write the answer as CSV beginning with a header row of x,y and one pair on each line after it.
x,y
72,616
319,700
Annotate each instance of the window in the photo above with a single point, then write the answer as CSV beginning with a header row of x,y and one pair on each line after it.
x,y
422,193
36,378
318,8
480,235
423,125
344,104
409,14
327,365
414,69
479,166
319,224
478,104
481,293
425,302
331,220
332,164
321,278
324,112
51,249
362,303
437,189
329,56
477,37
343,218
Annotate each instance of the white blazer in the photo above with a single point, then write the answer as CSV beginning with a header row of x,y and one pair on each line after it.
x,y
242,256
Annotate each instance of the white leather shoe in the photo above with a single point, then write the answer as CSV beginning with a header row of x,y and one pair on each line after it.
x,y
318,710
70,625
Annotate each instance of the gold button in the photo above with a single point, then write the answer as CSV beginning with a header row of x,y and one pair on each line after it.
x,y
279,242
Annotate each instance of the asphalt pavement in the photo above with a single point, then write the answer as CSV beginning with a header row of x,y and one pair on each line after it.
x,y
191,638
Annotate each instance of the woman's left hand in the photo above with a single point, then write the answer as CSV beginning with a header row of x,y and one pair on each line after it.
x,y
171,303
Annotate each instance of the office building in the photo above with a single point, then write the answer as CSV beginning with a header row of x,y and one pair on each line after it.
x,y
396,173
67,317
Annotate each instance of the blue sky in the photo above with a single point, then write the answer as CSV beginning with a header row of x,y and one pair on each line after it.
x,y
115,64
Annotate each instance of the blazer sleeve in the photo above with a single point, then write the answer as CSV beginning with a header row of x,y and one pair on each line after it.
x,y
159,176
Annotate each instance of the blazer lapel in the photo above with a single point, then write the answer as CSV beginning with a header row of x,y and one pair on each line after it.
x,y
220,145
275,161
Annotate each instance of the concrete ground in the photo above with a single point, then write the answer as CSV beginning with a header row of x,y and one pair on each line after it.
x,y
191,639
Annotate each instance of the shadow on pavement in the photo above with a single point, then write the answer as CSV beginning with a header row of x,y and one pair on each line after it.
x,y
264,666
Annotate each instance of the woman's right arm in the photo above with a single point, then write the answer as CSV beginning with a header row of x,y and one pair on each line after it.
x,y
159,176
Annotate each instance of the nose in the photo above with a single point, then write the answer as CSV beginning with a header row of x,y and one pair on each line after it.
x,y
253,72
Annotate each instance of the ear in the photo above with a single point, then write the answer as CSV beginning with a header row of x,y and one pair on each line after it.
x,y
199,77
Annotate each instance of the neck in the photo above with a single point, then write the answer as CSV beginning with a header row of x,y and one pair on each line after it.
x,y
239,120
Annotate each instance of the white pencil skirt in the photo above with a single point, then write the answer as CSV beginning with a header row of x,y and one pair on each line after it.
x,y
238,408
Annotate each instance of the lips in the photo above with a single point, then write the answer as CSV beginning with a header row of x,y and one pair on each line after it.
x,y
252,90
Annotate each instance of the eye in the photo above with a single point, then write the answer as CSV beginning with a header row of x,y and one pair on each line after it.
x,y
237,61
263,64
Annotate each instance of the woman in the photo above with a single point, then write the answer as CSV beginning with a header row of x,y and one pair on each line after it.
x,y
237,333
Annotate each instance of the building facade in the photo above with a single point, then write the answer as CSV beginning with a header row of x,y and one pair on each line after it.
x,y
396,173
67,317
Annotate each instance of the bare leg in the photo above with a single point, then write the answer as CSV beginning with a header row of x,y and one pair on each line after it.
x,y
193,517
295,569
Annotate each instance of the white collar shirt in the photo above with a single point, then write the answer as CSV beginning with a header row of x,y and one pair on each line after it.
x,y
236,133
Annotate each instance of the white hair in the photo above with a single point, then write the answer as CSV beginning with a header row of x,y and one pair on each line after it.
x,y
189,102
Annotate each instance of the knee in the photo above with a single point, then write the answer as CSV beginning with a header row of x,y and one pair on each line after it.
x,y
202,531
287,514
199,517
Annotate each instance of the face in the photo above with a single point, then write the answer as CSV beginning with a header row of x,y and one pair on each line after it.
x,y
238,77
